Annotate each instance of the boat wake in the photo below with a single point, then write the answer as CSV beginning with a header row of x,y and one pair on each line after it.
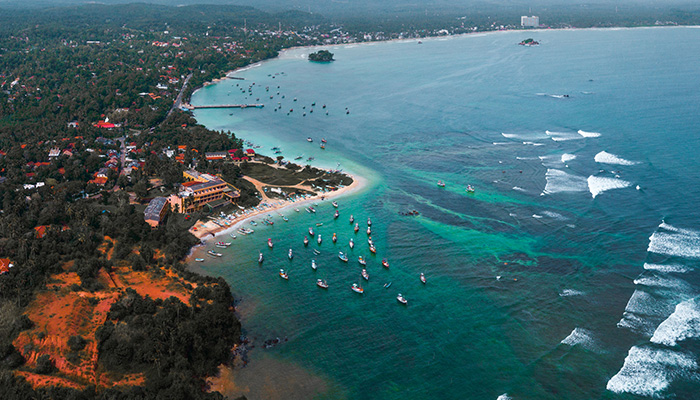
x,y
607,158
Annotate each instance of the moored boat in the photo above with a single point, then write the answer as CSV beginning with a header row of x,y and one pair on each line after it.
x,y
361,260
213,253
386,285
316,252
283,274
422,278
319,240
357,289
199,259
441,184
269,243
309,140
290,254
342,257
470,189
365,275
313,265
306,241
223,244
336,215
335,204
253,223
385,263
373,249
401,299
335,238
352,243
357,227
311,231
369,230
285,219
369,222
322,284
260,258
352,219
323,146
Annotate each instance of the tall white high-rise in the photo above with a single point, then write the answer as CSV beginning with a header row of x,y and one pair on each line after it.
x,y
532,21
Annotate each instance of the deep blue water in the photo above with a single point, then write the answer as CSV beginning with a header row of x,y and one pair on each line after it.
x,y
571,272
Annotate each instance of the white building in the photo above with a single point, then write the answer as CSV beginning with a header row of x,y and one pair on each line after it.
x,y
526,21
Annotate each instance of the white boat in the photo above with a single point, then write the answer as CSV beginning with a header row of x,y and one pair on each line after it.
x,y
369,222
401,299
342,257
283,274
223,244
260,258
285,219
385,263
213,253
316,252
470,189
319,240
369,230
313,265
253,223
232,235
372,249
306,241
357,289
309,140
311,231
321,284
441,184
361,260
352,243
365,274
199,259
357,227
336,215
269,243
335,204
290,254
422,277
352,219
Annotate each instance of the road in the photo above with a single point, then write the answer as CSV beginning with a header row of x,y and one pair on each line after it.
x,y
178,101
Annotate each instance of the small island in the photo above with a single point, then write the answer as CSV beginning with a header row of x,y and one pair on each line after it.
x,y
529,42
321,56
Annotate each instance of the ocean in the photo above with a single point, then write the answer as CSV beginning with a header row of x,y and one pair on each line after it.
x,y
572,270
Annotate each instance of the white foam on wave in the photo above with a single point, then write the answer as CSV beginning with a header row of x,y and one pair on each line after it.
x,y
570,292
677,244
536,216
648,371
555,215
561,136
581,337
500,143
607,158
565,158
504,396
559,181
533,143
684,323
526,158
519,189
644,303
666,267
588,134
598,185
637,324
663,282
510,135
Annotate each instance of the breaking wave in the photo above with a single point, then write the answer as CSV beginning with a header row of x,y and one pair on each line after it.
x,y
565,158
684,323
666,267
607,158
582,337
588,134
561,136
682,243
571,292
559,181
598,185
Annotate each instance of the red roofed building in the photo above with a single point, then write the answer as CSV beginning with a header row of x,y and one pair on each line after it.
x,y
5,265
250,152
106,125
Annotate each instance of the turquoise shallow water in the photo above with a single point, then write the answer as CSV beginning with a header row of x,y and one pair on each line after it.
x,y
570,273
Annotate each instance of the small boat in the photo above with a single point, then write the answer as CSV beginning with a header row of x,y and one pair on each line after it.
x,y
300,157
310,210
323,146
336,215
386,285
352,219
369,222
269,243
441,184
319,224
335,238
401,299
311,231
370,241
342,257
316,252
306,241
232,235
224,244
335,204
322,139
313,265
365,275
260,258
470,189
422,278
213,253
357,227
221,246
319,240
283,274
357,289
269,221
361,260
290,254
352,243
253,223
309,140
373,249
369,230
245,231
199,259
385,263
285,219
321,284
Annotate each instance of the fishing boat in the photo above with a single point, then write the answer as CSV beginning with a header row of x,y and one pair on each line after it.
x,y
225,244
253,223
283,274
269,243
321,284
369,222
357,227
385,263
422,278
386,285
213,253
199,259
336,215
361,260
290,254
309,140
322,139
441,184
323,146
285,219
311,231
352,243
269,221
342,257
352,219
299,158
335,204
306,241
221,246
316,252
335,238
357,289
370,241
313,265
319,240
245,231
232,235
401,299
260,258
373,249
369,230
470,189
365,275
319,224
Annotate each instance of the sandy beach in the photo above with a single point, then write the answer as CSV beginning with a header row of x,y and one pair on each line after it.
x,y
209,230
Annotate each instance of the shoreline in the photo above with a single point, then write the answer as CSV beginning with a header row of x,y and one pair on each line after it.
x,y
208,230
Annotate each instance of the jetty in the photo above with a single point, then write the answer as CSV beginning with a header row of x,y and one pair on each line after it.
x,y
255,105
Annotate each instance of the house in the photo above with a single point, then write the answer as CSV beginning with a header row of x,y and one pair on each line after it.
x,y
55,152
73,124
216,155
105,125
201,190
102,173
5,265
155,211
